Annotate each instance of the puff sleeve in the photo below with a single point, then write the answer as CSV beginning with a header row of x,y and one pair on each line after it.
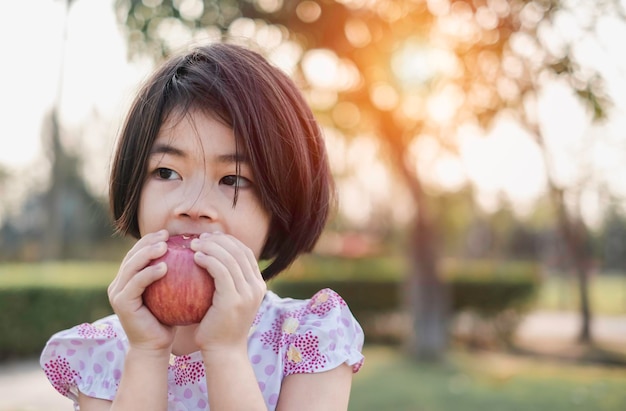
x,y
88,358
321,336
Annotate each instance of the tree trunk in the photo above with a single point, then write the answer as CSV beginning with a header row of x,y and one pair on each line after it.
x,y
425,294
576,237
53,237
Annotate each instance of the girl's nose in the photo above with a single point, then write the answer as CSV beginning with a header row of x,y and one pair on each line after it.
x,y
198,202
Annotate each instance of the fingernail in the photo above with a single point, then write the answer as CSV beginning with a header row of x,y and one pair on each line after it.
x,y
204,235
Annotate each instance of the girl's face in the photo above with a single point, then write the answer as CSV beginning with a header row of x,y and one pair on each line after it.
x,y
191,181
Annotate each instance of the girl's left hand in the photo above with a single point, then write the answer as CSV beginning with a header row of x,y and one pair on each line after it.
x,y
239,290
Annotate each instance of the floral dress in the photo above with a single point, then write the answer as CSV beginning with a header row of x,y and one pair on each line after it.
x,y
287,337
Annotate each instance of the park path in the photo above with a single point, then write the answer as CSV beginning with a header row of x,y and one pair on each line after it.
x,y
24,387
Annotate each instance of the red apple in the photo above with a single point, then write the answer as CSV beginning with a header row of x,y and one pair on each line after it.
x,y
185,293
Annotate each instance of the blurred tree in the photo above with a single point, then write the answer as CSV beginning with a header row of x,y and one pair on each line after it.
x,y
53,235
58,222
407,71
4,176
613,247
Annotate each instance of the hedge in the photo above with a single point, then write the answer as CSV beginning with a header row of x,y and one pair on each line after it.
x,y
375,284
495,294
31,313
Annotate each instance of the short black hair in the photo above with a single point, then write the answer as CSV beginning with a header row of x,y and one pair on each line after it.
x,y
272,124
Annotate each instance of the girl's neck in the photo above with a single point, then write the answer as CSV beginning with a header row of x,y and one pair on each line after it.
x,y
183,341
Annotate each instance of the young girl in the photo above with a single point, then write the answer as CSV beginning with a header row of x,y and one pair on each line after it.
x,y
220,144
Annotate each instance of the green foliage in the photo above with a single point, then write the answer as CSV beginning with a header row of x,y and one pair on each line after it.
x,y
478,381
30,315
37,300
496,293
375,284
489,287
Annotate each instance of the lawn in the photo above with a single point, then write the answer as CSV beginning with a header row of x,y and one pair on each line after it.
x,y
608,292
484,381
58,274
469,381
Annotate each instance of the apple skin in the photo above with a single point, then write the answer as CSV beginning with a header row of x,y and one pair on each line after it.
x,y
185,293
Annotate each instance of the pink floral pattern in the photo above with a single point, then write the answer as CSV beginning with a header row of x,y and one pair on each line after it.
x,y
60,374
287,337
92,331
186,371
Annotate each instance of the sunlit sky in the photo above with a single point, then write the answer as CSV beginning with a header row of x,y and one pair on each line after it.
x,y
98,83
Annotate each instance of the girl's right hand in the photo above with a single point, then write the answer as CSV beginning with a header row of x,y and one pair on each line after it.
x,y
144,331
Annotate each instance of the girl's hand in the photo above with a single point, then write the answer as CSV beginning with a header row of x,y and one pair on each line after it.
x,y
144,331
239,290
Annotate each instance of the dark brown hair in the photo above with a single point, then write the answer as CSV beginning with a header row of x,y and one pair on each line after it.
x,y
272,124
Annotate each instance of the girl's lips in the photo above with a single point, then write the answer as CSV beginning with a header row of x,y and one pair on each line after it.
x,y
181,240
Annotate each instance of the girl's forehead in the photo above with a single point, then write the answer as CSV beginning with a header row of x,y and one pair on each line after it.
x,y
196,129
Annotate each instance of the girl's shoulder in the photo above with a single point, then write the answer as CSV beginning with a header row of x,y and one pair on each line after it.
x,y
312,335
88,357
324,304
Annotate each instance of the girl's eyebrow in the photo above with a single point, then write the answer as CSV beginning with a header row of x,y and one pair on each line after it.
x,y
161,148
232,158
167,149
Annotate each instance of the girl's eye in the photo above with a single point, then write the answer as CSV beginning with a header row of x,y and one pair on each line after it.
x,y
235,181
166,174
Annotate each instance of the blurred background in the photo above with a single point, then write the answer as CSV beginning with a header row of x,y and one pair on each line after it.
x,y
479,150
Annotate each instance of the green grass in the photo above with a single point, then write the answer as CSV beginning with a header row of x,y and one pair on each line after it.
x,y
479,381
58,274
607,294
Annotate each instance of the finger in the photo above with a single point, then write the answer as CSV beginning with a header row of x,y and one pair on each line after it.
x,y
134,288
143,254
247,260
148,239
232,254
139,260
221,276
244,255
